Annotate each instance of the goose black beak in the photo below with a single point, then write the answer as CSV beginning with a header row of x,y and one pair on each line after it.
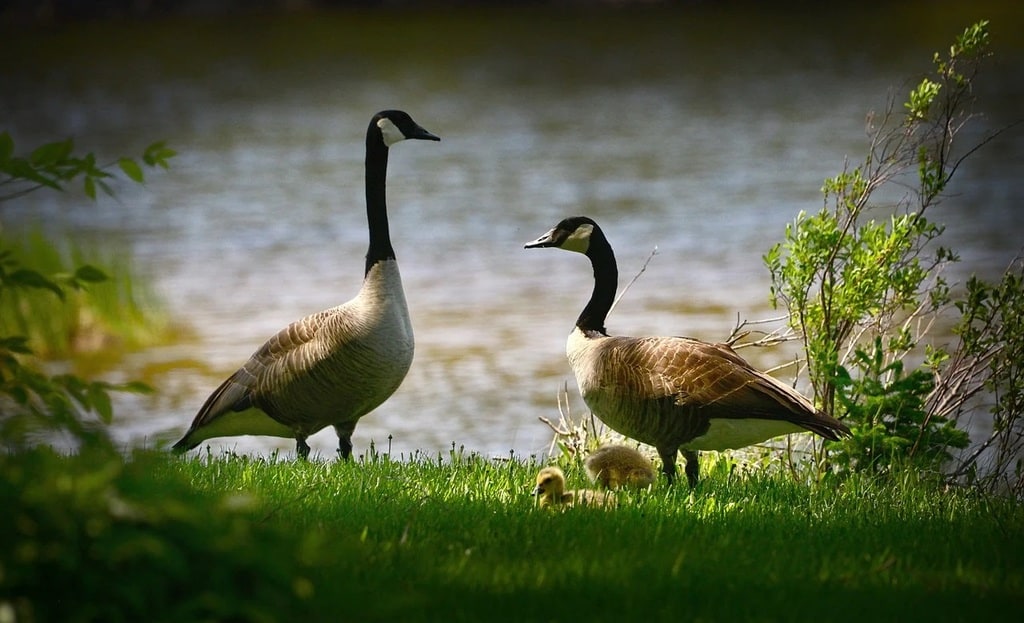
x,y
547,240
537,490
424,135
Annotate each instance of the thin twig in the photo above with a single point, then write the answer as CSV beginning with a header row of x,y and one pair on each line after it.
x,y
654,252
554,427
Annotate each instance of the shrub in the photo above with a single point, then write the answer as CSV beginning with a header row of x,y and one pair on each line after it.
x,y
863,286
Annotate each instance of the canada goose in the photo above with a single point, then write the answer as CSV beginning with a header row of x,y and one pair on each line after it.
x,y
550,491
616,465
337,365
671,392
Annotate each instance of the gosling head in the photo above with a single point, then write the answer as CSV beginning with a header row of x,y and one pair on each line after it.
x,y
550,486
572,234
397,125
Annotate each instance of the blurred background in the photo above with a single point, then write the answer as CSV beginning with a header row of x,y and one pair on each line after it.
x,y
699,129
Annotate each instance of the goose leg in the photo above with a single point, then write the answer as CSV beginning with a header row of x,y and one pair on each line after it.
x,y
344,440
692,467
301,448
668,462
344,447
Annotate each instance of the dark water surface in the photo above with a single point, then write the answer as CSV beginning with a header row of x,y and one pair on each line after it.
x,y
699,132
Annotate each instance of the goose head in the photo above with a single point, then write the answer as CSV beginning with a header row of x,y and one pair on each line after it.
x,y
571,234
397,125
550,484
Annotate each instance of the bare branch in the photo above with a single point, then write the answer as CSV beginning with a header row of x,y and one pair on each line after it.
x,y
643,268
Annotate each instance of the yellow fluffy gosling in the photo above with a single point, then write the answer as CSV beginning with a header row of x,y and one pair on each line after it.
x,y
616,466
550,491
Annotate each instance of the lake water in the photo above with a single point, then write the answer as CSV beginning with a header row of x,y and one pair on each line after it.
x,y
697,132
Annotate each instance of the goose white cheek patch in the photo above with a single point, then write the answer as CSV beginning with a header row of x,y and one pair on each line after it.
x,y
579,240
390,132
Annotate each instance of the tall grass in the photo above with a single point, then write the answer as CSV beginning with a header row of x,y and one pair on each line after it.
x,y
458,538
119,313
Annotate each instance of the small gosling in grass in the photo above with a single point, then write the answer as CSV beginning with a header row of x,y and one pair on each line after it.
x,y
550,491
617,465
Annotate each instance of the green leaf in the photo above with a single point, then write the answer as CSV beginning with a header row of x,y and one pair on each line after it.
x,y
134,387
21,169
131,169
90,274
90,188
52,153
157,154
16,344
19,394
99,399
26,278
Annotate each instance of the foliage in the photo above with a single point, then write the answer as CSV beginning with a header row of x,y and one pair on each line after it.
x,y
92,537
31,399
889,406
862,291
55,164
989,360
34,402
458,538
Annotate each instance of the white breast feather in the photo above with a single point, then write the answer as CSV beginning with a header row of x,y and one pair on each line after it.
x,y
385,338
384,313
731,434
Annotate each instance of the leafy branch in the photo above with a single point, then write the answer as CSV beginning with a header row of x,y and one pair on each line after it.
x,y
54,165
31,399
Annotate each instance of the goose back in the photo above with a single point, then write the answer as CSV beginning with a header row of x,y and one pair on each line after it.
x,y
329,368
678,391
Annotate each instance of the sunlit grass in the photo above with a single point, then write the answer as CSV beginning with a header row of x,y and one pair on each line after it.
x,y
461,534
458,537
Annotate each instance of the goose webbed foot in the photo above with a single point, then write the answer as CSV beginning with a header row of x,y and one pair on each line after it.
x,y
302,448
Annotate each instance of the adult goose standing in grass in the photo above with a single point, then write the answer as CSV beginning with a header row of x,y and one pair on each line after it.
x,y
337,365
674,393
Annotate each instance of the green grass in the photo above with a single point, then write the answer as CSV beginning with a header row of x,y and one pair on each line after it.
x,y
458,538
111,316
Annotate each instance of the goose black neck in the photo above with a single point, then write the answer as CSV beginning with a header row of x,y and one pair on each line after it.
x,y
606,280
376,201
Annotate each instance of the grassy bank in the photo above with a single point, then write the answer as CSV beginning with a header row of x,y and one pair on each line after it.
x,y
458,538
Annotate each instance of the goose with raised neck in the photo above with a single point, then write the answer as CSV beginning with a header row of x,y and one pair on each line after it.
x,y
333,367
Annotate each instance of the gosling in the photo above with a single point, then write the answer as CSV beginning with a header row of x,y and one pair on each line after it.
x,y
617,465
550,491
